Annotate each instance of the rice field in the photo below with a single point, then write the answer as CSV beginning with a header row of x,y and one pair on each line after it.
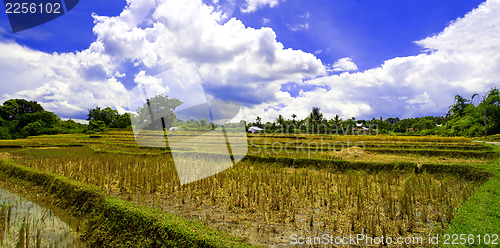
x,y
265,203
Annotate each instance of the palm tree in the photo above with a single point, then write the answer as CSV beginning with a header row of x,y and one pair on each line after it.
x,y
280,120
337,120
315,116
459,106
293,117
472,97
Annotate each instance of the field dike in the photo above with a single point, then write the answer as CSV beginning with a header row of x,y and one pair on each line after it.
x,y
111,222
463,171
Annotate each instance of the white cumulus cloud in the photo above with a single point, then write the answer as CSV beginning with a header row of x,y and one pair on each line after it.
x,y
234,61
343,64
253,5
463,59
249,65
66,83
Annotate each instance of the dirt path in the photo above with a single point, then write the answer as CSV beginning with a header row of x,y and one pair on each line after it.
x,y
487,142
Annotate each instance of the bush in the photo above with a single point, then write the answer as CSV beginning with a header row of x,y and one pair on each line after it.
x,y
54,130
32,129
429,132
96,126
88,131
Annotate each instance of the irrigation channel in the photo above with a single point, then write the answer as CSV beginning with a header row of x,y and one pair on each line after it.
x,y
24,223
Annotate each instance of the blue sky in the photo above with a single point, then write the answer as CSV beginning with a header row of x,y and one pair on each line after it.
x,y
368,31
352,58
68,33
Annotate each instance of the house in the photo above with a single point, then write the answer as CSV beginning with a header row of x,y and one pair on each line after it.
x,y
254,129
173,129
360,127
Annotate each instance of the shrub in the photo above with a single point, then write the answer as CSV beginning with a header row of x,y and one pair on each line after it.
x,y
88,131
54,130
32,129
96,126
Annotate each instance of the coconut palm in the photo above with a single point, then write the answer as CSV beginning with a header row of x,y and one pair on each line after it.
x,y
459,106
315,116
257,120
280,120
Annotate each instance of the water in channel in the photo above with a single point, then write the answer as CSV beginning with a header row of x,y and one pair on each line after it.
x,y
26,224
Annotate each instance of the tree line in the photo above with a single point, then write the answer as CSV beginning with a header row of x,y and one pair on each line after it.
x,y
103,119
20,118
462,119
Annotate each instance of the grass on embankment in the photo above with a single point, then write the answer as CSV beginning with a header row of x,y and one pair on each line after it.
x,y
112,222
480,215
491,138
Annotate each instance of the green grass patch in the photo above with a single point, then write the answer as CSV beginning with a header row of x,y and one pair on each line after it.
x,y
480,215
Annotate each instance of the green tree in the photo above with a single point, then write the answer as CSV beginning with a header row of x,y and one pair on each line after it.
x,y
33,129
404,124
337,120
123,121
392,120
47,119
469,124
280,120
459,107
159,106
4,133
70,126
203,122
465,119
348,125
14,108
492,109
108,115
96,126
422,124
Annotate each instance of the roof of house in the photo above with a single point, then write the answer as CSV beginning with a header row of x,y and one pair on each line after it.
x,y
255,128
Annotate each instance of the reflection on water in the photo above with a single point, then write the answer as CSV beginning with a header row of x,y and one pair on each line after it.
x,y
26,224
